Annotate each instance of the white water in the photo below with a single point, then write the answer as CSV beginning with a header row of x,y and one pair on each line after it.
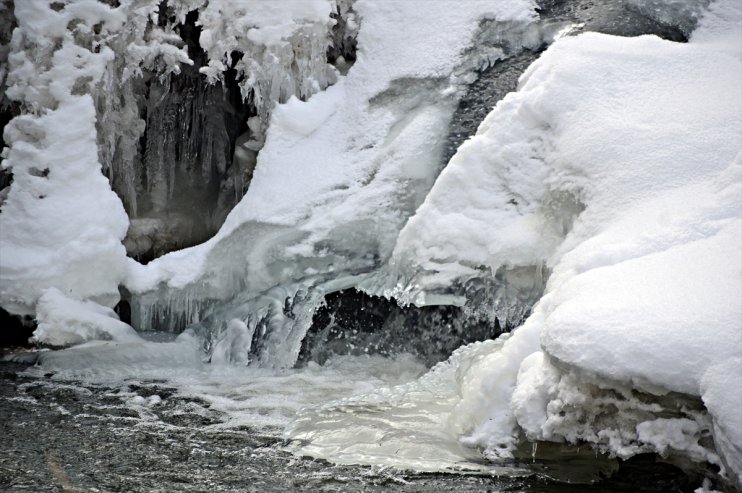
x,y
353,409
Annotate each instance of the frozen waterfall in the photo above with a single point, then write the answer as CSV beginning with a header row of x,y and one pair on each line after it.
x,y
421,235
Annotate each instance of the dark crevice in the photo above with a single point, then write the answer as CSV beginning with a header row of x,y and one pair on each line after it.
x,y
189,178
123,310
352,322
15,330
342,50
492,84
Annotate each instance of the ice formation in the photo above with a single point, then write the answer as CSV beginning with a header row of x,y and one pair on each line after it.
x,y
337,177
601,201
64,321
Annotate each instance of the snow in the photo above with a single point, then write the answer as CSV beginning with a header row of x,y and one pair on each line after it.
x,y
125,358
64,321
721,27
646,283
51,235
723,397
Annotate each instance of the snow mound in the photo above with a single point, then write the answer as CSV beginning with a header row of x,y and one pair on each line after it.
x,y
723,398
64,321
645,291
51,235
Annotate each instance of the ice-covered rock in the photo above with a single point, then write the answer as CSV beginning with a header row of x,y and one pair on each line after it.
x,y
645,290
340,173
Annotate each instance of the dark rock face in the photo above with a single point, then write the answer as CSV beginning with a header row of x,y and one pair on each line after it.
x,y
351,322
185,184
617,17
342,51
15,331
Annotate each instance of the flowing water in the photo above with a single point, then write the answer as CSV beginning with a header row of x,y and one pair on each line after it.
x,y
223,429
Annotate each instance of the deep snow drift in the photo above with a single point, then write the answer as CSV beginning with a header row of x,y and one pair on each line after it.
x,y
610,182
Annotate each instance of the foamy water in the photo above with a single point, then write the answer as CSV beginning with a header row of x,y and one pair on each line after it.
x,y
372,410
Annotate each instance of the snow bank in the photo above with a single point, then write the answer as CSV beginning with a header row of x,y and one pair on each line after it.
x,y
646,284
64,321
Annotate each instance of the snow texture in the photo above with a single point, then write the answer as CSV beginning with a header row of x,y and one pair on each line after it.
x,y
64,321
646,283
51,235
